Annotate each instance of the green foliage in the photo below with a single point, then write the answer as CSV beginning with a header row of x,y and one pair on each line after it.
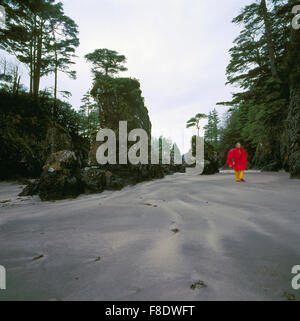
x,y
195,122
61,46
40,35
212,128
89,118
106,62
211,165
23,127
258,65
120,99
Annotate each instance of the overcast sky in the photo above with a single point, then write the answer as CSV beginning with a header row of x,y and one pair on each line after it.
x,y
178,49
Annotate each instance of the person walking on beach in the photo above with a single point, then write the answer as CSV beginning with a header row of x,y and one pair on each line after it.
x,y
237,158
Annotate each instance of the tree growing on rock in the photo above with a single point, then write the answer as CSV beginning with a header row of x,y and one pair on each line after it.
x,y
106,62
195,122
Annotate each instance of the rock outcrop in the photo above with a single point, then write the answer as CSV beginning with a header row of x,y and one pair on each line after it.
x,y
59,178
63,178
211,163
95,180
31,189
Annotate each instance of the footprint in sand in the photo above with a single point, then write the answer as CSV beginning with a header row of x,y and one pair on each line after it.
x,y
152,205
38,257
198,285
5,201
173,228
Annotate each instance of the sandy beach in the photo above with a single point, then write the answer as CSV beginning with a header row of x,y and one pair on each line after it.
x,y
152,241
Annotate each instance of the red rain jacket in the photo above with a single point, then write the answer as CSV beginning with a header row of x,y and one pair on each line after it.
x,y
239,157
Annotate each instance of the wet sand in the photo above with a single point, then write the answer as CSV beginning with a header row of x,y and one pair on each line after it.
x,y
154,240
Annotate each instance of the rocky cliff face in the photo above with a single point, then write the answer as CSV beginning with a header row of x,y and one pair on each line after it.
x,y
29,133
119,99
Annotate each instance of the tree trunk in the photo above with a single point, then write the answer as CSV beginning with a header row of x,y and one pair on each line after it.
x,y
18,85
31,49
270,44
31,68
33,58
16,80
55,77
56,65
37,71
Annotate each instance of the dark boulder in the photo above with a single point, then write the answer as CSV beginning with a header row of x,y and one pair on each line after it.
x,y
129,174
31,189
93,179
60,177
211,163
115,182
178,168
210,167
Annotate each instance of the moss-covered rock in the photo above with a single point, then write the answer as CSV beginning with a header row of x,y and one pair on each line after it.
x,y
60,177
30,131
31,189
211,163
94,179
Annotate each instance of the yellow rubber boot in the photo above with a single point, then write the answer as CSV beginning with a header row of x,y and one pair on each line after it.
x,y
237,176
242,176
